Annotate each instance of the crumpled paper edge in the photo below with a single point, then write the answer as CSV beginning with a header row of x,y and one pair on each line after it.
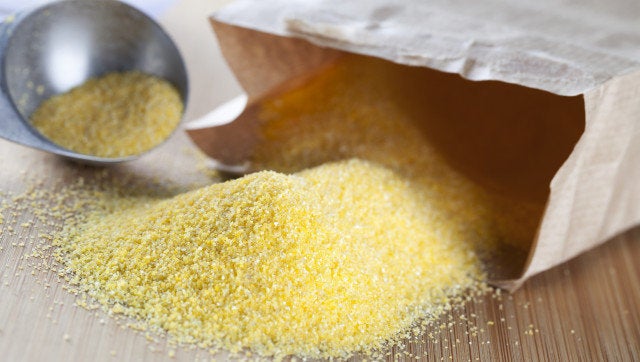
x,y
519,57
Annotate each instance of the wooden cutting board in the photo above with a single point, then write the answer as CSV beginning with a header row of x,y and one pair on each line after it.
x,y
587,309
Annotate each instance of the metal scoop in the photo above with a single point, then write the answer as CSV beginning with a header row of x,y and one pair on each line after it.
x,y
55,47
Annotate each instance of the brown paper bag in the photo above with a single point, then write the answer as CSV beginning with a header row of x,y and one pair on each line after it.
x,y
577,150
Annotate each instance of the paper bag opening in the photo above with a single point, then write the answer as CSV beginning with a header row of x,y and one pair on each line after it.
x,y
507,137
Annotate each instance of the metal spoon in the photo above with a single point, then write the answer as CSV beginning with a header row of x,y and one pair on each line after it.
x,y
55,47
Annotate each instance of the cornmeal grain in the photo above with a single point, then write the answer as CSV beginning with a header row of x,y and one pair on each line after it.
x,y
116,115
324,263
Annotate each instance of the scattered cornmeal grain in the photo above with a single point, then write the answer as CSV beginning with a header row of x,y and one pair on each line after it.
x,y
334,260
116,115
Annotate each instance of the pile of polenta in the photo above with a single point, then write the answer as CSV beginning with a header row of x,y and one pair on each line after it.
x,y
363,232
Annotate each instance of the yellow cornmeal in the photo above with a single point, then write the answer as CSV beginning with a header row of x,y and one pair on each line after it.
x,y
116,115
350,110
323,263
345,257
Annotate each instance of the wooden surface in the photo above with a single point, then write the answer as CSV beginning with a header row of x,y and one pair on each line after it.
x,y
587,309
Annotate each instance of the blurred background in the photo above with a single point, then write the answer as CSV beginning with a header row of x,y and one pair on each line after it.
x,y
152,7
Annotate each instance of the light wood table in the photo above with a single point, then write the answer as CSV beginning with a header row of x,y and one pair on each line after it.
x,y
586,309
